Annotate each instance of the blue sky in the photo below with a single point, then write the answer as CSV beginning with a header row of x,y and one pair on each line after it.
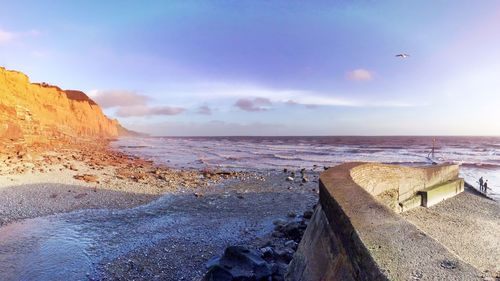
x,y
268,67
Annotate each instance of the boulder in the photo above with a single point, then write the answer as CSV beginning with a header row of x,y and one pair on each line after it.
x,y
239,263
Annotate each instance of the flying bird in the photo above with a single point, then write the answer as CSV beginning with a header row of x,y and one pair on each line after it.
x,y
403,56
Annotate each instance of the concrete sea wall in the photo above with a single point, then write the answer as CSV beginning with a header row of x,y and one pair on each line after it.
x,y
355,236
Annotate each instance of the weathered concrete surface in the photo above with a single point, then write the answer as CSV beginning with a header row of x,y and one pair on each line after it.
x,y
468,225
377,178
415,201
321,253
355,237
433,195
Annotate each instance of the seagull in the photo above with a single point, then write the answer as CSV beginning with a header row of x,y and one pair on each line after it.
x,y
403,56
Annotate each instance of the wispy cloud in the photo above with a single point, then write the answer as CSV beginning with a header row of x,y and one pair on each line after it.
x,y
211,128
131,104
360,74
118,98
144,110
6,36
205,110
257,104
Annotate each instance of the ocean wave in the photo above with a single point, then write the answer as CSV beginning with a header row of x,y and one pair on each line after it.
x,y
135,146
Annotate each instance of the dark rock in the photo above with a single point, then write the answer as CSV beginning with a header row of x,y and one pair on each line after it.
x,y
291,244
284,255
267,252
218,273
278,234
239,263
279,222
307,214
279,227
294,230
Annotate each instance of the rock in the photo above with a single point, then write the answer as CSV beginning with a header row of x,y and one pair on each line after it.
x,y
284,255
279,222
87,178
239,263
267,252
278,234
304,180
218,273
291,244
307,214
294,230
291,214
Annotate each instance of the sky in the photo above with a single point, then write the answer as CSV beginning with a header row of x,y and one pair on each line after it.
x,y
189,68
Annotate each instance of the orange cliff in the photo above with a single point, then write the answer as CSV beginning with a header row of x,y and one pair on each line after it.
x,y
33,112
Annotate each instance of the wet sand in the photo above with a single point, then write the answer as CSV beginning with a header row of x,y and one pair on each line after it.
x,y
240,213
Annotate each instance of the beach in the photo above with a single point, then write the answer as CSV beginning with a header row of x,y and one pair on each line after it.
x,y
134,217
212,209
85,175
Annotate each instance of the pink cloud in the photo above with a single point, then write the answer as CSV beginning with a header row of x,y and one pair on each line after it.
x,y
257,104
360,74
143,110
118,98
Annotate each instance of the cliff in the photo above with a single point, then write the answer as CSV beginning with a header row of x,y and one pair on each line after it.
x,y
38,111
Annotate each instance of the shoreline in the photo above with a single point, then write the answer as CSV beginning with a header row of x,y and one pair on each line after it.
x,y
84,176
243,205
90,176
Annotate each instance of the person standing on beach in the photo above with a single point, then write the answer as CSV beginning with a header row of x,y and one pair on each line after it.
x,y
481,184
485,186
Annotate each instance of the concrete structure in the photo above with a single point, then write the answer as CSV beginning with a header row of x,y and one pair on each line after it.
x,y
400,187
355,236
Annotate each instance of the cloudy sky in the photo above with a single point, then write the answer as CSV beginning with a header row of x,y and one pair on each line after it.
x,y
268,67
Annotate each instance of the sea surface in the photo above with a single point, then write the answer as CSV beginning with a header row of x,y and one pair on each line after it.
x,y
478,156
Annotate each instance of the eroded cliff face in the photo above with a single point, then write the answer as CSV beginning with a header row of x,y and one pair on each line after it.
x,y
34,112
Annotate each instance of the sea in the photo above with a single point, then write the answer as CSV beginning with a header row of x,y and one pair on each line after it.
x,y
478,156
